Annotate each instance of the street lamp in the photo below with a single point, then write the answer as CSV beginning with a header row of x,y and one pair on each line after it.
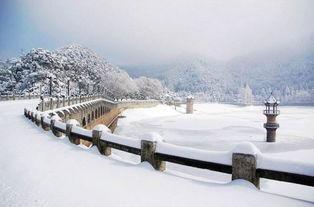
x,y
68,87
50,86
79,84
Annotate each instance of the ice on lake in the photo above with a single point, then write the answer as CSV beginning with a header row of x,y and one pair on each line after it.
x,y
222,126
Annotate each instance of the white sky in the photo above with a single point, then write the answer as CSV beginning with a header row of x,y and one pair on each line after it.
x,y
140,31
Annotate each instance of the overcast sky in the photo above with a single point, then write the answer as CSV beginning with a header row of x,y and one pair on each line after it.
x,y
147,31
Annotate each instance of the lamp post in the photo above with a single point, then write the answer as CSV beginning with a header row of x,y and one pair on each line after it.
x,y
79,85
80,90
50,86
40,89
68,87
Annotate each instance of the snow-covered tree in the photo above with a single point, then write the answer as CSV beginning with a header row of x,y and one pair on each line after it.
x,y
149,88
85,69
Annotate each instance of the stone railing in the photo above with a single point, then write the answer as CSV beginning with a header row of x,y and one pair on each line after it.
x,y
18,97
137,103
244,162
51,103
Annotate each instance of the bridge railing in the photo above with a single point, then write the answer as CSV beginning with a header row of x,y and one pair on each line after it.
x,y
18,97
136,103
50,103
244,162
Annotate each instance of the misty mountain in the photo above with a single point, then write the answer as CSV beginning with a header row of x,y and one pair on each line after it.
x,y
86,71
289,74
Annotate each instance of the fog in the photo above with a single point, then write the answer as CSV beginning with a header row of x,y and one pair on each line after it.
x,y
146,31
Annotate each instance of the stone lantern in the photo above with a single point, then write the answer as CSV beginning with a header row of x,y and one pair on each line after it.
x,y
271,112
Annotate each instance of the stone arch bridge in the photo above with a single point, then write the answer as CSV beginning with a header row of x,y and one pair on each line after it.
x,y
90,111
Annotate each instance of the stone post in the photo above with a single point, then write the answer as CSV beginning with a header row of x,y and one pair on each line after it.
x,y
43,104
53,129
25,112
71,137
29,115
32,116
244,167
45,126
103,148
63,101
58,102
189,105
148,149
68,130
37,120
51,103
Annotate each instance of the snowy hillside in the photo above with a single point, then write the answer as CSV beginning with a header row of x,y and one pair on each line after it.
x,y
289,76
84,68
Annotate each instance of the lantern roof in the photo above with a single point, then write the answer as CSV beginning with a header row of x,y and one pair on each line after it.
x,y
271,100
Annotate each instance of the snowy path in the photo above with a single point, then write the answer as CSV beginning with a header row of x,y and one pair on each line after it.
x,y
38,169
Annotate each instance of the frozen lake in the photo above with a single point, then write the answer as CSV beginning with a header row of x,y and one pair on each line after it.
x,y
221,127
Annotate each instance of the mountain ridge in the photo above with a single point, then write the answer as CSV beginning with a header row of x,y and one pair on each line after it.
x,y
289,75
87,72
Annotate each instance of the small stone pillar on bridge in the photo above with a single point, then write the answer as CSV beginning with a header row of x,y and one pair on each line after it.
x,y
69,125
103,148
271,112
52,127
189,104
148,149
244,163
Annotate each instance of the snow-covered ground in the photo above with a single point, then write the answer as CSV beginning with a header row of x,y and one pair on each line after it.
x,y
221,127
38,169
